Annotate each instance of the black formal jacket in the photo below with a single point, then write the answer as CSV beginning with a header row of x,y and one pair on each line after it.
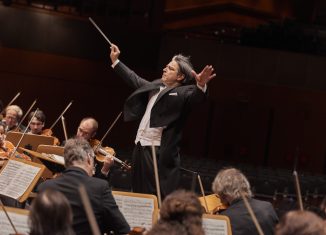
x,y
241,222
107,213
170,110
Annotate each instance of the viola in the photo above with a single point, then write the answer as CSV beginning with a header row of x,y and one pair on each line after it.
x,y
102,152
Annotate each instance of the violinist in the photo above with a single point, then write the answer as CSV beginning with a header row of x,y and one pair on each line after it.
x,y
6,147
181,213
229,184
37,124
12,116
87,130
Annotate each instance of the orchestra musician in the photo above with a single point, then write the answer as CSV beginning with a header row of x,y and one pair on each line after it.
x,y
79,162
162,106
50,214
6,147
300,223
229,184
36,125
87,130
12,116
181,213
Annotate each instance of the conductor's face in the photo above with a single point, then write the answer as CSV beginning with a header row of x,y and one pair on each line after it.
x,y
171,76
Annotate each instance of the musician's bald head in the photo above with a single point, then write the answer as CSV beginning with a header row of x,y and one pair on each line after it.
x,y
87,128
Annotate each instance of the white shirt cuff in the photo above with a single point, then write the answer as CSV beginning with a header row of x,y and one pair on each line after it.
x,y
202,88
115,63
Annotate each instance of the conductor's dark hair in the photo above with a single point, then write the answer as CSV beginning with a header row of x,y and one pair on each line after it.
x,y
185,68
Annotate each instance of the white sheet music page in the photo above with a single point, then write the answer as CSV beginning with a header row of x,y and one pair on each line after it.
x,y
19,221
137,211
215,227
16,177
59,159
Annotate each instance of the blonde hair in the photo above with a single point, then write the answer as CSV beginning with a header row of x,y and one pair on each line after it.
x,y
230,183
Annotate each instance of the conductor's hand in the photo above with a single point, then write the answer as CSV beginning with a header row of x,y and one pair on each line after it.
x,y
205,75
115,52
108,162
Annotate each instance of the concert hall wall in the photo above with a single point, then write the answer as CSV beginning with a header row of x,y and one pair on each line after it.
x,y
262,107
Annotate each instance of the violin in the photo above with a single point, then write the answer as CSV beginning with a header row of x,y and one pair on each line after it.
x,y
48,132
137,231
102,152
6,150
214,203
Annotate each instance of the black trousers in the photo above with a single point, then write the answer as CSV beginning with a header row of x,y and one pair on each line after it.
x,y
143,179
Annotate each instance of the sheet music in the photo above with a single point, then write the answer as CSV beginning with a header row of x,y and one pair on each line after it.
x,y
59,159
20,222
16,177
215,227
137,211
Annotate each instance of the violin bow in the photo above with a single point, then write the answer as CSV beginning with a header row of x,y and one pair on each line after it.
x,y
21,138
157,180
298,189
202,191
7,215
102,151
12,101
64,127
28,111
98,28
108,131
89,211
296,180
252,214
64,111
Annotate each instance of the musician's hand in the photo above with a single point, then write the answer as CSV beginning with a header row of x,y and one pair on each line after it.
x,y
108,162
115,52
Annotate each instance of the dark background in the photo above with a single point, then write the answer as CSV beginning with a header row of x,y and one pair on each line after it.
x,y
266,105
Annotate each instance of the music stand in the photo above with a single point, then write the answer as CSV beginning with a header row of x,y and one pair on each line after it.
x,y
30,141
44,153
